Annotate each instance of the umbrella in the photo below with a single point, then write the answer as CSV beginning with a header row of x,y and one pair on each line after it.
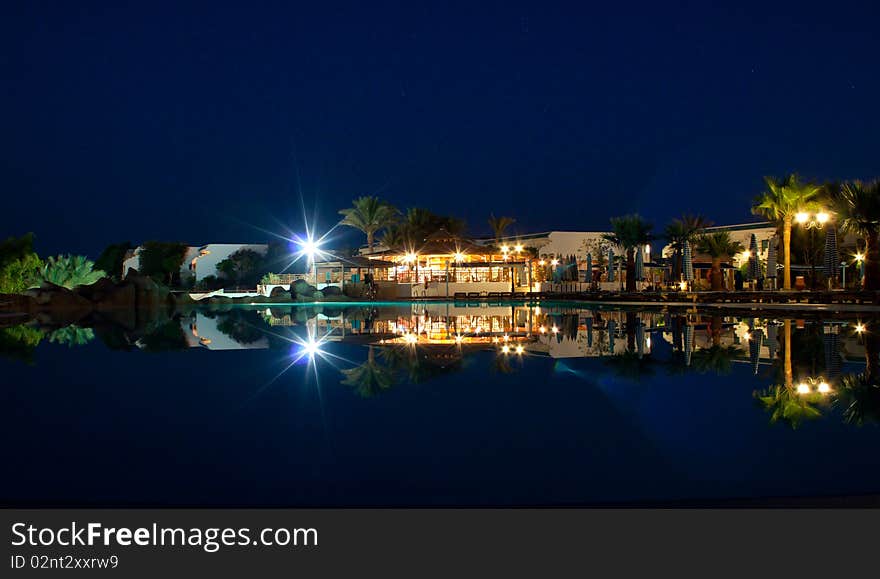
x,y
640,265
832,255
753,271
612,328
640,338
772,340
831,346
590,331
771,258
610,264
755,343
589,276
688,343
688,262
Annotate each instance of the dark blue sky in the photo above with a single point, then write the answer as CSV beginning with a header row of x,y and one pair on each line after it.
x,y
137,121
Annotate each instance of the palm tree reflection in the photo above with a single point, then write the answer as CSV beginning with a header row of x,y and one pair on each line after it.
x,y
789,403
370,378
861,392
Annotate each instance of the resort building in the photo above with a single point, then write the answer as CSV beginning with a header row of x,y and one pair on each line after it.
x,y
444,265
199,261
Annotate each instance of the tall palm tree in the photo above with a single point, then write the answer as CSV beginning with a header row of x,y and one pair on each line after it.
x,y
499,225
718,246
680,230
857,205
629,232
779,204
369,214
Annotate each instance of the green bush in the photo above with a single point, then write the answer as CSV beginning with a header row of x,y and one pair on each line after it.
x,y
19,265
68,271
19,274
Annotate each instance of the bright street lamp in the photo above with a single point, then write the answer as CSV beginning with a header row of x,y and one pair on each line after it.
x,y
810,221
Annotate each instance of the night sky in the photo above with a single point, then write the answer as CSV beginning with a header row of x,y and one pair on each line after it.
x,y
135,121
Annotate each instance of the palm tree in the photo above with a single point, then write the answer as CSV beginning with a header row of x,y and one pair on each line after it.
x,y
681,230
779,204
369,215
629,232
718,246
370,378
499,225
857,205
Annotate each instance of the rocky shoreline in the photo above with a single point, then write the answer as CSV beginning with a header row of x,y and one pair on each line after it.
x,y
131,302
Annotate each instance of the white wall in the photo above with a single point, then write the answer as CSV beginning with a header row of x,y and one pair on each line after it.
x,y
201,331
207,264
438,289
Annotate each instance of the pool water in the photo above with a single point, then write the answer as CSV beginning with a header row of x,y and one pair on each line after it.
x,y
439,404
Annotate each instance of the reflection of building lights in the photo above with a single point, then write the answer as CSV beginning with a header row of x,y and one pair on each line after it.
x,y
505,349
824,387
520,350
803,388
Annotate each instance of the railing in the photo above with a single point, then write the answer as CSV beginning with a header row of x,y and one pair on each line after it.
x,y
285,278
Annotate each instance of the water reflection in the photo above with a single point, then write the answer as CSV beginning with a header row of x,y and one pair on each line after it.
x,y
806,366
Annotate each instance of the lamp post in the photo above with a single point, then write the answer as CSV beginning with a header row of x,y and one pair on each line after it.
x,y
811,222
860,261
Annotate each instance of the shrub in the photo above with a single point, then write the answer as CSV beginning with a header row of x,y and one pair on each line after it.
x,y
19,274
68,271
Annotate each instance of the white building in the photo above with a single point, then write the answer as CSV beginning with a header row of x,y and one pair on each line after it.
x,y
201,261
552,244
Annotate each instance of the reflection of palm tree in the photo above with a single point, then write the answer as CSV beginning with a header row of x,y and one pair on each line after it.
x,y
861,394
716,359
501,364
786,404
370,378
72,336
862,391
630,366
782,400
